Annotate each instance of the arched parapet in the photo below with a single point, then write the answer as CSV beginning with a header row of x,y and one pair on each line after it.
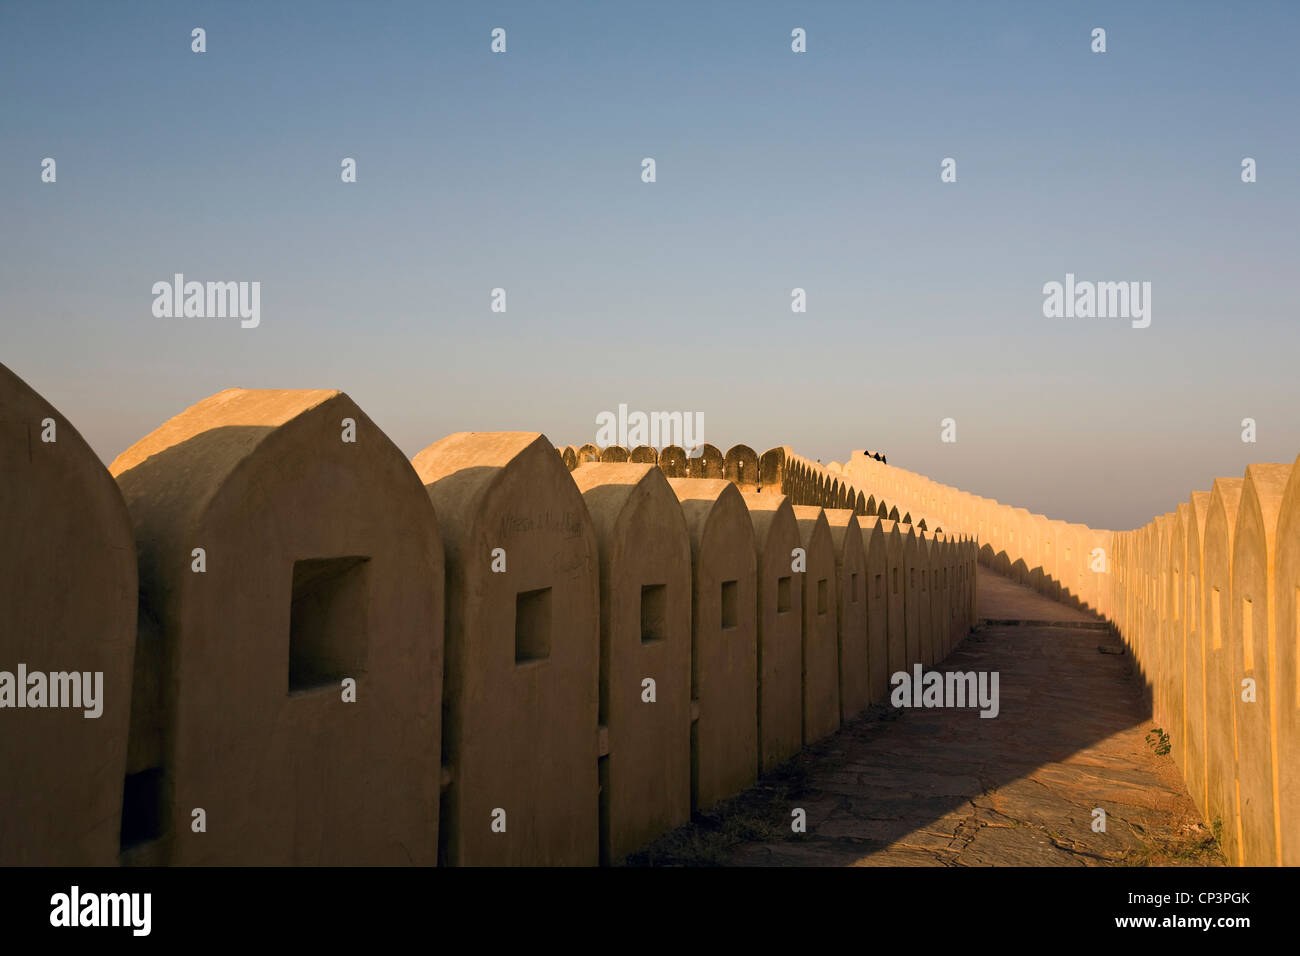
x,y
916,559
951,587
960,553
986,555
780,627
1161,615
1172,650
876,546
704,461
1254,551
972,560
1220,690
68,562
588,453
931,598
1286,672
292,570
821,659
941,580
523,651
569,455
774,470
852,587
740,465
672,461
724,639
796,480
1133,586
645,632
1141,581
643,455
613,454
1193,766
896,596
872,508
883,512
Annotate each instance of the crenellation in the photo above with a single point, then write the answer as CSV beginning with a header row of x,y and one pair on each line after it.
x,y
552,654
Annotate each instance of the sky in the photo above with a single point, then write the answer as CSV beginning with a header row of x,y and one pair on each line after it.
x,y
775,170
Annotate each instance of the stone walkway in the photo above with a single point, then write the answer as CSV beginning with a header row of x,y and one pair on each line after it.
x,y
945,787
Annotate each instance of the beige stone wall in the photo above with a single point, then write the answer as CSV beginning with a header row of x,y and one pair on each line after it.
x,y
1254,652
286,550
645,653
1286,670
522,649
519,689
1207,600
724,638
820,641
502,652
67,605
780,628
895,595
853,623
1204,598
1221,742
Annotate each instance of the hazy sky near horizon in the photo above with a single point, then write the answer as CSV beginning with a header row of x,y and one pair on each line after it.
x,y
775,170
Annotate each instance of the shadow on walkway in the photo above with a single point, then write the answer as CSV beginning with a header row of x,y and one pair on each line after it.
x,y
945,787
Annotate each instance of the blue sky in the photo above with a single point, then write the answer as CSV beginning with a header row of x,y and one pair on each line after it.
x,y
774,171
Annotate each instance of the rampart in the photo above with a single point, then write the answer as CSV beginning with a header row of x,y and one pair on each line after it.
x,y
315,651
1206,599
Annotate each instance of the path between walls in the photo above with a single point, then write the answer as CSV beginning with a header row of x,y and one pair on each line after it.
x,y
945,787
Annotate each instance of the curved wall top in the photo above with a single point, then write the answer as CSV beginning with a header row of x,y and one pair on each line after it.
x,y
298,503
69,606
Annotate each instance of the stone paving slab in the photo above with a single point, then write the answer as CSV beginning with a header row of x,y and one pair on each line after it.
x,y
945,787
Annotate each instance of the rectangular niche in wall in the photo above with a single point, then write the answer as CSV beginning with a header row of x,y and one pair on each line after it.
x,y
730,593
327,621
654,612
533,625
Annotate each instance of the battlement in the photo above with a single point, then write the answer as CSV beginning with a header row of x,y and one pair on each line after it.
x,y
314,651
503,652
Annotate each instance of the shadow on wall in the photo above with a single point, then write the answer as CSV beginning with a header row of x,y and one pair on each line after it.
x,y
326,559
290,586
